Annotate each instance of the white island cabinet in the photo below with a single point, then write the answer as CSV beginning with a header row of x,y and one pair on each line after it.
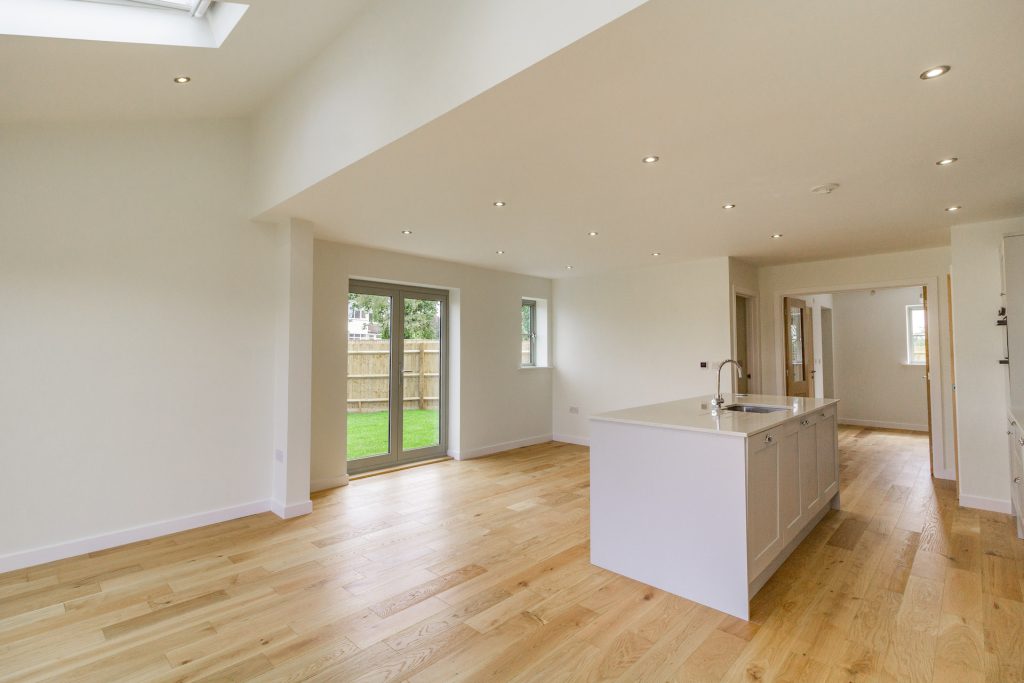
x,y
707,503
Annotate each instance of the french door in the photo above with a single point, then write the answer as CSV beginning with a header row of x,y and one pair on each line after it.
x,y
397,375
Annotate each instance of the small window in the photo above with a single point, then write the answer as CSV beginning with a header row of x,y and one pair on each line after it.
x,y
529,334
917,335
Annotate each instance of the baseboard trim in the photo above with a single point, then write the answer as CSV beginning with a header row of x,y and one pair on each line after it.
x,y
903,426
331,483
145,532
294,510
988,504
567,438
471,453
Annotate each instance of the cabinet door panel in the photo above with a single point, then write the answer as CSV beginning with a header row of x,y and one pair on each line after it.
x,y
828,466
790,509
764,538
808,452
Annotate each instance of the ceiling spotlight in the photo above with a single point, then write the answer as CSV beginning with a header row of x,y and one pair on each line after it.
x,y
407,232
935,72
182,80
953,209
655,253
776,236
592,233
568,267
500,252
650,159
827,188
946,162
499,204
728,206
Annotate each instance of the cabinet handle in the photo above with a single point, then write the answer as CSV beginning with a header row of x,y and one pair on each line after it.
x,y
823,414
1020,442
769,439
1016,480
804,423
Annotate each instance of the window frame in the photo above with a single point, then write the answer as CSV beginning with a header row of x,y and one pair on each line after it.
x,y
532,305
911,309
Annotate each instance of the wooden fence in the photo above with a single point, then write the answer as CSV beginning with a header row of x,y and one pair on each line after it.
x,y
369,364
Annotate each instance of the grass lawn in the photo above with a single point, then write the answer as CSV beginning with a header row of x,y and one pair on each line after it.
x,y
368,432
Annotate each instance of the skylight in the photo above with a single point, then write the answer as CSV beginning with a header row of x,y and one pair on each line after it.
x,y
187,23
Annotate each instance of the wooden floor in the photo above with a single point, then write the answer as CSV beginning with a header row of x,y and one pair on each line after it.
x,y
478,570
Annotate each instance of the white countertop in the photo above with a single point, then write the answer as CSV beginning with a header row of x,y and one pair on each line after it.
x,y
695,414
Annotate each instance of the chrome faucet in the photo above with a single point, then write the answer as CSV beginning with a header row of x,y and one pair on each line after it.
x,y
718,401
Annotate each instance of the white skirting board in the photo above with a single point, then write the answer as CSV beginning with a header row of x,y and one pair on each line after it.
x,y
324,484
883,425
499,447
989,504
294,510
578,440
91,544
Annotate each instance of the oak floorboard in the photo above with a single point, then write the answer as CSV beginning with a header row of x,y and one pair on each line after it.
x,y
479,570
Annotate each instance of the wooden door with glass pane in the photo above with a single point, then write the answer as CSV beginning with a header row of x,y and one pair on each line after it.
x,y
799,345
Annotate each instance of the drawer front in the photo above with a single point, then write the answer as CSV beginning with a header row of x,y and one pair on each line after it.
x,y
825,413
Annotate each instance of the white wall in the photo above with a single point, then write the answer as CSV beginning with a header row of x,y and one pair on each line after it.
x,y
137,308
893,269
635,337
875,385
400,65
980,380
495,403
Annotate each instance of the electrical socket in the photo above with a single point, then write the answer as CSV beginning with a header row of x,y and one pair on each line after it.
x,y
573,410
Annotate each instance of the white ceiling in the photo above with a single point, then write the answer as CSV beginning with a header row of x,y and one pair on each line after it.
x,y
745,101
54,79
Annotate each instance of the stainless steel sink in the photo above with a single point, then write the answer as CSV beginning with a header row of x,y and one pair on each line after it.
x,y
751,408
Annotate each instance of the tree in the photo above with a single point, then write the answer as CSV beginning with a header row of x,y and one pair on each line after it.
x,y
422,316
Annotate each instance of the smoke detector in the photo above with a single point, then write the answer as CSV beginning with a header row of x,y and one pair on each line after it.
x,y
827,188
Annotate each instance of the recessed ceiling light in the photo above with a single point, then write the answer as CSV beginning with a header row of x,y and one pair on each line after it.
x,y
500,252
182,80
946,162
952,209
655,253
592,233
650,159
407,232
728,206
776,236
935,72
499,204
568,267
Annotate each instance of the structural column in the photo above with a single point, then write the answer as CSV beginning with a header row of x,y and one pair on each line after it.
x,y
293,371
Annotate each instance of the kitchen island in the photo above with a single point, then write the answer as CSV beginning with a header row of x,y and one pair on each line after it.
x,y
706,502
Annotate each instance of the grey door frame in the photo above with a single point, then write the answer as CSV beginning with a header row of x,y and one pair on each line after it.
x,y
396,455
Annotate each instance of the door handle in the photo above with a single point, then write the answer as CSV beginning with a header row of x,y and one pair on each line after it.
x,y
769,439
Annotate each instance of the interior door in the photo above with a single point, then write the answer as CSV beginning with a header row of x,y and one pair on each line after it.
x,y
397,370
799,348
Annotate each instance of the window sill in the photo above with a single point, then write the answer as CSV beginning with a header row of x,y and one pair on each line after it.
x,y
535,367
913,365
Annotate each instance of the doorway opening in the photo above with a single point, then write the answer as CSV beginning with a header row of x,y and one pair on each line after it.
x,y
397,375
744,339
868,348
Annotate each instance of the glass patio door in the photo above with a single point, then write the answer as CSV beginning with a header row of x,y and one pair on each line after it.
x,y
397,362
